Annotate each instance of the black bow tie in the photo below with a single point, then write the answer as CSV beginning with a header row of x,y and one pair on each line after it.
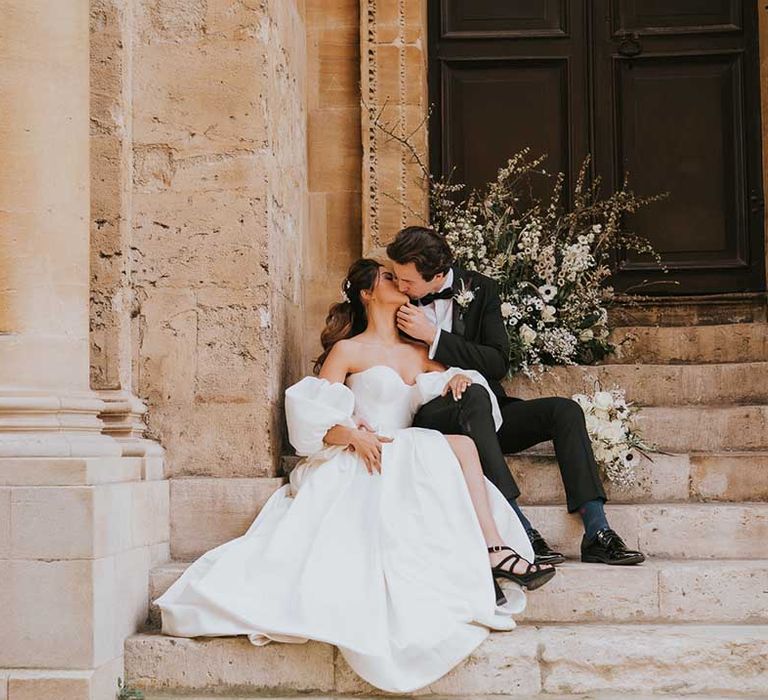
x,y
446,293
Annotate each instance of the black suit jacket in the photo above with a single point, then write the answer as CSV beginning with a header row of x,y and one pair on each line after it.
x,y
478,339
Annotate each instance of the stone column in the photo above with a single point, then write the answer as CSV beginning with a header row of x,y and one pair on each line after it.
x,y
46,406
82,517
113,297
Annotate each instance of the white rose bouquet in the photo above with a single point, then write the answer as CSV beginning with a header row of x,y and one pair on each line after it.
x,y
615,440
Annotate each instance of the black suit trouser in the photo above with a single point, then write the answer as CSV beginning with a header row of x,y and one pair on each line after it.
x,y
525,423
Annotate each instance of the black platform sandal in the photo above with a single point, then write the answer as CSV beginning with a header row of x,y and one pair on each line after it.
x,y
501,599
534,577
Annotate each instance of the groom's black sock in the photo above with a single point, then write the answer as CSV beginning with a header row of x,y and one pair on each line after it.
x,y
526,523
593,515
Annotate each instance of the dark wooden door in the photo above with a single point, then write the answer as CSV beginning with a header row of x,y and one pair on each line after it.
x,y
665,89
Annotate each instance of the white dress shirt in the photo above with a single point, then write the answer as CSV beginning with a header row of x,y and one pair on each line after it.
x,y
440,312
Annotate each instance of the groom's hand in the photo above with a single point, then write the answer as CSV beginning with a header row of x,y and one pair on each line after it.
x,y
411,320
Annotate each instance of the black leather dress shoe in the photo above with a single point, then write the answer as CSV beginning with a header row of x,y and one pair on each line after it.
x,y
608,548
544,553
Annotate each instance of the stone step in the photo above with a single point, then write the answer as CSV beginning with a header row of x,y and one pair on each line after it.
x,y
685,429
675,530
687,310
657,591
698,429
532,659
501,696
205,512
160,580
668,530
728,342
697,477
654,385
695,430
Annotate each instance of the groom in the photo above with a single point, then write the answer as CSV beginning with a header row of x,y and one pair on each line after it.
x,y
457,314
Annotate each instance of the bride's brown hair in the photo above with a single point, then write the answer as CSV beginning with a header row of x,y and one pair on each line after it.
x,y
348,318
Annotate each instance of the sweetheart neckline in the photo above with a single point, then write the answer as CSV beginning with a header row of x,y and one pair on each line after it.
x,y
391,369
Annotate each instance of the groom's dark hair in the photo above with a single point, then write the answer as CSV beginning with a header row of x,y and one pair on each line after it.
x,y
424,247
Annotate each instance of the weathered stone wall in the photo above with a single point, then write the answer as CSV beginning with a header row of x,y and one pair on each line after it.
x,y
763,47
214,122
335,156
200,210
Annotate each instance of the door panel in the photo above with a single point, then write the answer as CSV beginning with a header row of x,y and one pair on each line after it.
x,y
487,18
664,16
678,80
474,98
701,222
667,90
496,69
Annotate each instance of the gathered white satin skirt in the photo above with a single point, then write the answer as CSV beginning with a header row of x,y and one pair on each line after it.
x,y
392,568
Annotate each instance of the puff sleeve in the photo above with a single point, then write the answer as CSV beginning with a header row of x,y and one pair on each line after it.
x,y
312,407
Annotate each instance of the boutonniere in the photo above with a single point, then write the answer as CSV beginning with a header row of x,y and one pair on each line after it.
x,y
465,296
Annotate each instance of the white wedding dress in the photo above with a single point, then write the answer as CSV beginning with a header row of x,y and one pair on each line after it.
x,y
392,568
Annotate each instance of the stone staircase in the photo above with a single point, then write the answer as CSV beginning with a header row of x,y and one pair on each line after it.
x,y
692,621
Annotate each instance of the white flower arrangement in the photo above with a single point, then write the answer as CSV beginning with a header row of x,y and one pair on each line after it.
x,y
552,265
616,441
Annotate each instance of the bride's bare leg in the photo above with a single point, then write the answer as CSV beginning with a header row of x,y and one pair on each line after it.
x,y
466,452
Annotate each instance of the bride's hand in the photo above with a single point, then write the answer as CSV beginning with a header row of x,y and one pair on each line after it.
x,y
368,447
457,385
362,423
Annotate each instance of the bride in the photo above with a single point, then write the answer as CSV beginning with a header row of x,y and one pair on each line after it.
x,y
387,538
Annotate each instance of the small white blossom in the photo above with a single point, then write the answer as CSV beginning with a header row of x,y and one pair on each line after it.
x,y
628,458
548,292
614,431
593,423
586,335
527,334
603,400
548,314
507,309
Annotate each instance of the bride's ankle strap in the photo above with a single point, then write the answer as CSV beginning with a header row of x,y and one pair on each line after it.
x,y
499,548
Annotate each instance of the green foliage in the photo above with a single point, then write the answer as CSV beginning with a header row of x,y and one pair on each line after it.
x,y
124,692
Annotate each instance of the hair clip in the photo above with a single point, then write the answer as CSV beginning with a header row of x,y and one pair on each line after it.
x,y
344,289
